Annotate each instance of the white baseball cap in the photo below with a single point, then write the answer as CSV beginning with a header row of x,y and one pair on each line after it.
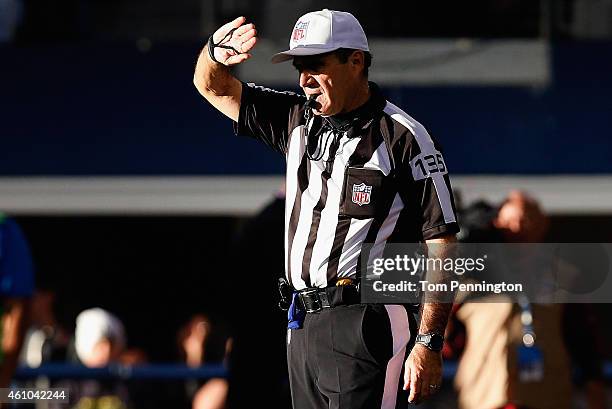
x,y
92,326
323,31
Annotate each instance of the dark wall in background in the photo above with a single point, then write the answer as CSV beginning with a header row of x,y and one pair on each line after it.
x,y
71,20
154,272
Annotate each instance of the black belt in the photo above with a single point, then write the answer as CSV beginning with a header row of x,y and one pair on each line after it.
x,y
316,299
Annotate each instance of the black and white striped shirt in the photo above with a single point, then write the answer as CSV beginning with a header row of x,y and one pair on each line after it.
x,y
385,181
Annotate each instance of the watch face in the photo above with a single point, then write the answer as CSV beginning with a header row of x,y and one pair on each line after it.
x,y
436,341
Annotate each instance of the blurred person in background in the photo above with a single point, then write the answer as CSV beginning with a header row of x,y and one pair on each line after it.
x,y
261,238
16,288
99,338
497,369
46,340
99,341
202,341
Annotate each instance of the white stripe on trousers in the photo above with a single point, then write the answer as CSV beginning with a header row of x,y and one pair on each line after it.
x,y
400,330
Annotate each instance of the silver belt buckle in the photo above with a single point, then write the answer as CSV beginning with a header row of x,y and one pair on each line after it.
x,y
316,301
322,297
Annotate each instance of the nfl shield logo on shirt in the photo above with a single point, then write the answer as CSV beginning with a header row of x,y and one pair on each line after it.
x,y
361,194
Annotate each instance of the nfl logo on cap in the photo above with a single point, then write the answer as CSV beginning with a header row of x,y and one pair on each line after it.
x,y
299,32
320,32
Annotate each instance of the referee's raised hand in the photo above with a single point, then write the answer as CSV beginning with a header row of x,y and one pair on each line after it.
x,y
229,45
232,42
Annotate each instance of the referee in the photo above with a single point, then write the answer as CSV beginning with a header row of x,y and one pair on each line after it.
x,y
359,171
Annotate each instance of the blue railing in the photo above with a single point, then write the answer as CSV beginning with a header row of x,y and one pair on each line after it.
x,y
157,371
168,371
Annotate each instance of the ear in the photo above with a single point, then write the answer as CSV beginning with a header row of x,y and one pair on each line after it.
x,y
357,57
357,61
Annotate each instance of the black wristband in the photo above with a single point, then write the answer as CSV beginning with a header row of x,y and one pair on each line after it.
x,y
431,340
211,49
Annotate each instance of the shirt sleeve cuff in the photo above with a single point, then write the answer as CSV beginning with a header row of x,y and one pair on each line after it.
x,y
440,230
240,126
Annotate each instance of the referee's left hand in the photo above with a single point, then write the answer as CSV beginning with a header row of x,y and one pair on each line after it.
x,y
422,373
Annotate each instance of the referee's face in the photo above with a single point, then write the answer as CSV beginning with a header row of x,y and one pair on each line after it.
x,y
333,83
